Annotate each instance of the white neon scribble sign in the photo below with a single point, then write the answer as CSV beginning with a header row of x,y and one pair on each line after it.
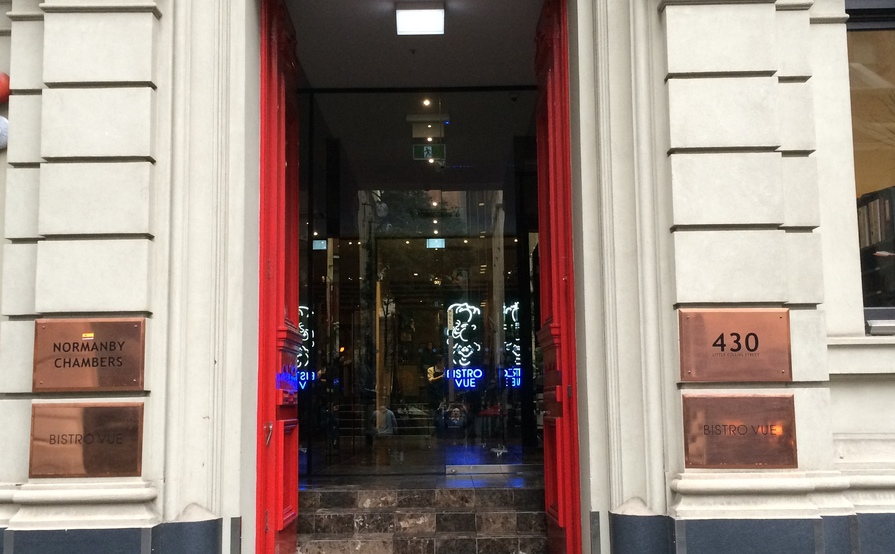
x,y
513,346
465,318
303,359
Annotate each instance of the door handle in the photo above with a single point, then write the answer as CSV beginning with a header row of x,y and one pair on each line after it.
x,y
268,427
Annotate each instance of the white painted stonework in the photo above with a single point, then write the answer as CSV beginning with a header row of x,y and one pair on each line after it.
x,y
16,355
808,340
800,205
792,43
118,194
100,48
24,122
694,33
731,266
26,54
71,116
93,276
796,113
19,266
727,189
804,268
723,113
22,191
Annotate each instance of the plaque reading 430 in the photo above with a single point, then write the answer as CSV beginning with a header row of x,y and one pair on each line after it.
x,y
735,345
736,342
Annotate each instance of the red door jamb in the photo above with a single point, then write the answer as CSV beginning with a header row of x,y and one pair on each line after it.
x,y
277,438
557,334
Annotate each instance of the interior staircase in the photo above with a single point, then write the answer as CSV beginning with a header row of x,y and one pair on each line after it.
x,y
406,519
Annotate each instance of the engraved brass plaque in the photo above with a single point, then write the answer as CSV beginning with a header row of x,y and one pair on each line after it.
x,y
86,440
739,432
735,345
88,354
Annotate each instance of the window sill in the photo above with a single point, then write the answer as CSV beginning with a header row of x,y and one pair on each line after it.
x,y
869,355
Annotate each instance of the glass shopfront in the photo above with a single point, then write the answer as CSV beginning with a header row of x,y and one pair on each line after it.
x,y
418,271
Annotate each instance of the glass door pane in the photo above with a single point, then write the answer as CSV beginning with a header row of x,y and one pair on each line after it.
x,y
416,315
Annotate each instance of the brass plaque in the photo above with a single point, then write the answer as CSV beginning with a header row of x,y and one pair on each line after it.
x,y
740,432
86,440
735,345
88,354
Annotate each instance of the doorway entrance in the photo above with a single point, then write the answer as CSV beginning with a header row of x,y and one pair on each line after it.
x,y
406,251
419,239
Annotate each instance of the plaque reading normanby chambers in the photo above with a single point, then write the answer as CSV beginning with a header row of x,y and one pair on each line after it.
x,y
88,354
86,440
739,431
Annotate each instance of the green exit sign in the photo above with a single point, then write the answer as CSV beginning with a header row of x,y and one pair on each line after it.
x,y
428,151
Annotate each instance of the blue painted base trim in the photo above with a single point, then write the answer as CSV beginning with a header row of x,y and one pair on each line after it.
x,y
630,534
76,541
200,537
875,533
752,536
857,534
839,534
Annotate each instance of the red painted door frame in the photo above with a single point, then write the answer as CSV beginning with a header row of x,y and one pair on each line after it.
x,y
557,334
277,443
278,340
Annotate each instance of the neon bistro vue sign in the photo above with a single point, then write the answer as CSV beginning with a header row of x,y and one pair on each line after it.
x,y
512,377
465,377
291,378
469,377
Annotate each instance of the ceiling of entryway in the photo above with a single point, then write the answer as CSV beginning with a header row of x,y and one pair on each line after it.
x,y
366,80
353,43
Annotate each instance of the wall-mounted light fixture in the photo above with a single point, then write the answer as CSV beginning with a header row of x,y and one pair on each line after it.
x,y
420,18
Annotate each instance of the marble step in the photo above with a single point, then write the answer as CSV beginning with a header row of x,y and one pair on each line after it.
x,y
420,522
530,499
488,520
440,543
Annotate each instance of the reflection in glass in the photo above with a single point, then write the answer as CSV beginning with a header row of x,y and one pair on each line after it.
x,y
872,78
416,286
871,56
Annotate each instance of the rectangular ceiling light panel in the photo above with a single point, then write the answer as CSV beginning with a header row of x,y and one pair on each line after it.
x,y
426,130
420,18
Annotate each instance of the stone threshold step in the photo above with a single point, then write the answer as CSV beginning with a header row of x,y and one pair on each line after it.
x,y
426,545
503,522
446,498
304,537
403,512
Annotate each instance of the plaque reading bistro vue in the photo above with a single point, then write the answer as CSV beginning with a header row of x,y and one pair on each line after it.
x,y
740,431
86,440
735,345
88,354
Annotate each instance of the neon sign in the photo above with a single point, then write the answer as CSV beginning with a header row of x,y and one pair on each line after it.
x,y
465,378
512,377
292,378
513,346
306,334
463,323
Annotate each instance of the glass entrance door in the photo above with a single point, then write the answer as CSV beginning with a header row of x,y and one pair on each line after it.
x,y
417,256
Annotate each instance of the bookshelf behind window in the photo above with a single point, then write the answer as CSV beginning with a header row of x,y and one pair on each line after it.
x,y
876,235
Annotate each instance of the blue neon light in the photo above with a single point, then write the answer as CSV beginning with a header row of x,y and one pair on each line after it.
x,y
465,377
292,379
512,377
